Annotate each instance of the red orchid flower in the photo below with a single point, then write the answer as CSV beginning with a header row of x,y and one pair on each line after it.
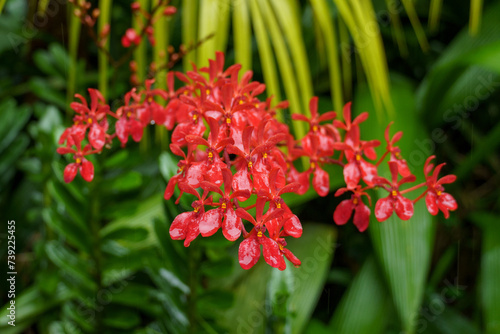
x,y
395,151
321,179
127,124
93,117
343,212
212,165
186,225
357,167
292,225
436,199
151,110
225,214
395,201
249,250
325,139
81,164
251,162
189,170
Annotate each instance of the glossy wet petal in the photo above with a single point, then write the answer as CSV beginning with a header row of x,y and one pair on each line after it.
x,y
403,207
343,212
361,217
210,222
248,253
231,226
384,208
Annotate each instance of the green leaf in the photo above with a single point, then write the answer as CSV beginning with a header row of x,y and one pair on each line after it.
x,y
143,218
250,287
127,294
128,234
123,182
214,300
121,318
365,307
70,264
403,248
220,268
74,233
490,270
14,118
242,35
461,78
444,319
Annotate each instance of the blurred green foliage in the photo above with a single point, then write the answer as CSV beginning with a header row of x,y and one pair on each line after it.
x,y
97,257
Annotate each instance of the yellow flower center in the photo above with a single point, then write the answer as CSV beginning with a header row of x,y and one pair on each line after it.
x,y
259,234
278,205
358,157
129,114
439,193
210,155
315,128
78,160
89,120
196,209
264,155
355,201
394,193
250,164
228,120
207,91
223,205
313,165
241,102
195,117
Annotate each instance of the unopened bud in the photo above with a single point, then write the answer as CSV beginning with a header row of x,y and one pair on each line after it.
x,y
136,6
105,30
169,11
95,13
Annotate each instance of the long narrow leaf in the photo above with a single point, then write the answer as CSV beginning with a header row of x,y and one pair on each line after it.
x,y
104,19
490,270
189,30
322,13
417,26
288,76
476,8
242,35
266,56
140,55
365,306
290,26
435,14
403,248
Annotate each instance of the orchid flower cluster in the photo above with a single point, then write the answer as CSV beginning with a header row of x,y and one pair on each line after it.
x,y
236,156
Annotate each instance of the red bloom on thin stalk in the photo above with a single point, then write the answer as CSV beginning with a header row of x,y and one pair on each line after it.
x,y
395,201
186,226
93,118
81,164
249,250
436,199
395,151
343,212
225,214
326,134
